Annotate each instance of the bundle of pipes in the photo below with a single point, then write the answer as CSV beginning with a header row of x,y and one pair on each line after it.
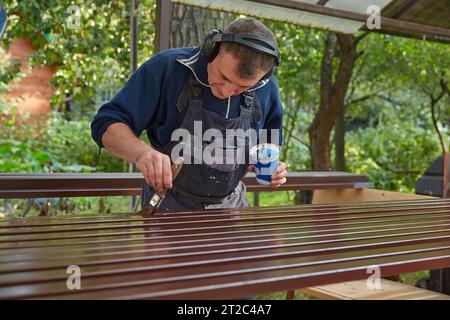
x,y
223,253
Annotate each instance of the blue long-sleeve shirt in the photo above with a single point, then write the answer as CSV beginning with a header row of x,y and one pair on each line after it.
x,y
148,100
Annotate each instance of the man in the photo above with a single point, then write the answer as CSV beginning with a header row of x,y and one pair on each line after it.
x,y
2,18
227,84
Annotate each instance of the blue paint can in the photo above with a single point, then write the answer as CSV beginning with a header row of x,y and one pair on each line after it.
x,y
265,158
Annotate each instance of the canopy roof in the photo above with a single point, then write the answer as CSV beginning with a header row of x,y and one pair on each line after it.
x,y
423,19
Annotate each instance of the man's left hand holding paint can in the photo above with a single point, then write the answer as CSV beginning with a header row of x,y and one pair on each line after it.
x,y
279,175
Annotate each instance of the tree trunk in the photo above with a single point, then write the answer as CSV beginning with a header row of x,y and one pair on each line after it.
x,y
433,102
332,94
190,25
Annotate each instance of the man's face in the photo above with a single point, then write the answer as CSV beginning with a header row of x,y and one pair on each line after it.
x,y
224,78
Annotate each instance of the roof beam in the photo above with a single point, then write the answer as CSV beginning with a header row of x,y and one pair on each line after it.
x,y
405,9
388,23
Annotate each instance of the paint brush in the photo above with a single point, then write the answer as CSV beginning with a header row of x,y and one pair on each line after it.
x,y
158,197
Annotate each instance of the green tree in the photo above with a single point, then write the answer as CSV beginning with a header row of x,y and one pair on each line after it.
x,y
425,67
87,41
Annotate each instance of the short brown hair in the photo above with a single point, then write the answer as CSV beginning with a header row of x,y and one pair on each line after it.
x,y
250,61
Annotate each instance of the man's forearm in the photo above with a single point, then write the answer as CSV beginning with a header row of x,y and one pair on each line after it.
x,y
121,142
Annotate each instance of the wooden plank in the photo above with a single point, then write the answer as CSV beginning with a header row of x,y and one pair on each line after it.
x,y
361,195
218,254
359,290
114,184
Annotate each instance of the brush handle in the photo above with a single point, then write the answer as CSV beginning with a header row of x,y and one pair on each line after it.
x,y
176,167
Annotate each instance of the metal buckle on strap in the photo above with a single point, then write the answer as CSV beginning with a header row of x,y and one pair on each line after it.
x,y
196,91
248,101
196,88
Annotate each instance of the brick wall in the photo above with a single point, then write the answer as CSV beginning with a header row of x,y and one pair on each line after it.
x,y
33,92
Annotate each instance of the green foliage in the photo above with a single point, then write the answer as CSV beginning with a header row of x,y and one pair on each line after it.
x,y
390,133
395,79
393,155
53,143
88,60
9,72
272,198
91,55
299,78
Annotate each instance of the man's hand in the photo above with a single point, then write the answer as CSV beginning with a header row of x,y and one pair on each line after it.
x,y
279,177
156,168
121,142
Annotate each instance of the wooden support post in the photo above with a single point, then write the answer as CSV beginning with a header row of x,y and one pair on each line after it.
x,y
256,199
163,18
303,197
290,295
440,280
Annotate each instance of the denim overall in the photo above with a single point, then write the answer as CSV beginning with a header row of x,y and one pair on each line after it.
x,y
208,185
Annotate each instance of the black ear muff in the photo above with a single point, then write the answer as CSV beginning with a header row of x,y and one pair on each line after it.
x,y
211,45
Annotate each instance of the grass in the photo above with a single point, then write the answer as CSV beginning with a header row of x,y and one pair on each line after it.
x,y
61,206
413,277
272,198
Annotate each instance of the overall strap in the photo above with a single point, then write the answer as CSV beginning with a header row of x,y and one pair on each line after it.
x,y
250,105
191,95
246,105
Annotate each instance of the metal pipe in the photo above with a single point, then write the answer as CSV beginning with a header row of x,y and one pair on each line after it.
x,y
133,68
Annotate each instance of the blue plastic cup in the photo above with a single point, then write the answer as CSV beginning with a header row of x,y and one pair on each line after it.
x,y
265,157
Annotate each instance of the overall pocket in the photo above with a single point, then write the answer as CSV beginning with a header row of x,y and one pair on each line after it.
x,y
207,181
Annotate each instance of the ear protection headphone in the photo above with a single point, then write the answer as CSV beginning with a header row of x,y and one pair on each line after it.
x,y
211,46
